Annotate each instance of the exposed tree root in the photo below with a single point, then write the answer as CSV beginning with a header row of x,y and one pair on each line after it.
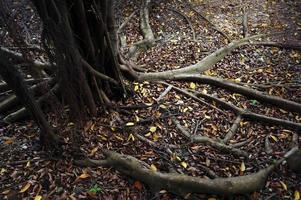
x,y
206,140
187,20
209,22
250,115
19,57
229,85
279,45
203,65
181,184
23,112
233,129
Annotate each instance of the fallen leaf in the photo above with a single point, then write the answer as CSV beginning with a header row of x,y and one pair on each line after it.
x,y
130,124
184,164
38,197
84,176
5,192
211,198
296,195
25,187
192,85
242,166
131,137
283,185
153,168
274,138
93,151
153,129
138,185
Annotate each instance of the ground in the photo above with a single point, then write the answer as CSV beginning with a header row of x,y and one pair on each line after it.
x,y
27,172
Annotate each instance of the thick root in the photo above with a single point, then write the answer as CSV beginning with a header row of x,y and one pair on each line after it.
x,y
181,184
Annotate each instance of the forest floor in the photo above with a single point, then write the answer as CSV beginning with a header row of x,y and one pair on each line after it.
x,y
27,172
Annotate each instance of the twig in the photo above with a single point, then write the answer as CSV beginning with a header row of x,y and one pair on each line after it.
x,y
126,21
164,93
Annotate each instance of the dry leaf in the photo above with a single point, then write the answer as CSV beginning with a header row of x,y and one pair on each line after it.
x,y
283,185
296,195
5,192
192,85
153,129
93,151
84,176
38,197
274,138
184,164
211,198
242,166
153,168
25,187
131,137
138,185
130,124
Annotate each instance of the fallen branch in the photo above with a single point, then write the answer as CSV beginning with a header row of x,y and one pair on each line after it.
x,y
183,184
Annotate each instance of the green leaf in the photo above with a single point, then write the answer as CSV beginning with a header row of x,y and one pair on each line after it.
x,y
95,189
254,102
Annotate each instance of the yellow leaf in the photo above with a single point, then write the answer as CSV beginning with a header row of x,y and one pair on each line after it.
x,y
137,118
2,171
113,128
192,85
93,151
178,158
242,166
27,164
283,185
153,168
136,88
148,134
84,176
25,187
296,195
162,106
130,124
184,164
38,197
187,196
153,129
131,137
274,138
119,138
155,137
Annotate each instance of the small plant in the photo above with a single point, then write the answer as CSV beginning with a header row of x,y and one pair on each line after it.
x,y
95,189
